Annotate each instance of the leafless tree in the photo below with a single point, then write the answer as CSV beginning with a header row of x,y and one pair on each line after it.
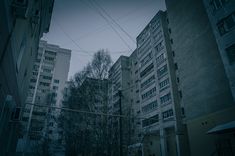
x,y
86,134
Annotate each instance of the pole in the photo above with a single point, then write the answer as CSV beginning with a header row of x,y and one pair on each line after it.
x,y
120,122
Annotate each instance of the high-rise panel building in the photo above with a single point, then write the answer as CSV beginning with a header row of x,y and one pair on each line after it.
x,y
203,80
221,14
160,111
119,103
151,94
22,25
49,75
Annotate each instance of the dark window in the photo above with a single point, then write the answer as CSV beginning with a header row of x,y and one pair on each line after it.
x,y
178,79
150,121
176,66
56,81
169,30
231,53
180,94
173,53
146,70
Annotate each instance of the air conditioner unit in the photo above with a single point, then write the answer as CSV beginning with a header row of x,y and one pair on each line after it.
x,y
20,8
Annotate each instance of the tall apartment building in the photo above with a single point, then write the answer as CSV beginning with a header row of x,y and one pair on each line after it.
x,y
21,26
221,14
119,103
135,146
50,73
160,111
202,80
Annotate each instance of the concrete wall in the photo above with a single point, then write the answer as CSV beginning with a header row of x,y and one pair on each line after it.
x,y
203,82
226,40
204,144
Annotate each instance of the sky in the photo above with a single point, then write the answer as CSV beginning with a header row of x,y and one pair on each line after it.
x,y
83,27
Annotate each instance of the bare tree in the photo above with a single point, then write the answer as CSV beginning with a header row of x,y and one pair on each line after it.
x,y
86,134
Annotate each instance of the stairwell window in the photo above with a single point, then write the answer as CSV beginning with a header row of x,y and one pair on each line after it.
x,y
231,54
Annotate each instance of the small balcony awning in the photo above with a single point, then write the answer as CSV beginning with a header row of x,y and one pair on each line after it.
x,y
223,128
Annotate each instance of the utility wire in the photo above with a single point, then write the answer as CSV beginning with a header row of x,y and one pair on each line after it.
x,y
95,113
105,18
69,37
113,20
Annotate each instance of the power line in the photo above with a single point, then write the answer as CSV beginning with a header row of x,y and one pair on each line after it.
x,y
115,22
105,18
95,113
69,37
103,27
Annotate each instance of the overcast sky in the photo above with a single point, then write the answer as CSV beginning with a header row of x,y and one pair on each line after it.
x,y
78,25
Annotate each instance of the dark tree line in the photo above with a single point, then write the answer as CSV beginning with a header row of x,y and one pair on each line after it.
x,y
86,134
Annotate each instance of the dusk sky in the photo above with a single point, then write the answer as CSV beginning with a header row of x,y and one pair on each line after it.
x,y
78,25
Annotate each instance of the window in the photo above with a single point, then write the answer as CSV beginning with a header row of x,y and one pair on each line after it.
x,y
50,52
180,94
231,53
160,59
176,66
149,93
55,87
33,80
159,46
149,107
173,53
167,114
226,24
56,81
169,30
164,84
162,71
148,81
147,70
47,77
178,79
47,70
165,98
146,59
44,84
217,4
150,121
49,58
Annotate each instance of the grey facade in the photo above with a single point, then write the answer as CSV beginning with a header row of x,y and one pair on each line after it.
x,y
119,82
49,75
222,18
21,26
201,75
160,111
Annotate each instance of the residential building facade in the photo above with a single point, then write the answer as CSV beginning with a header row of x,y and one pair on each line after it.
x,y
160,111
119,104
221,15
49,75
201,74
22,25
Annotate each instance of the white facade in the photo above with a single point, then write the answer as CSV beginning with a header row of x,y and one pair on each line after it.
x,y
50,73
